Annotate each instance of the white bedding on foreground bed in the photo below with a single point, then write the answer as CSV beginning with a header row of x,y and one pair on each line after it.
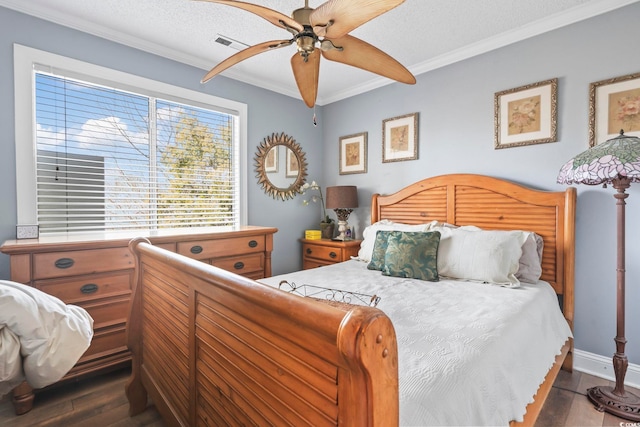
x,y
469,353
41,338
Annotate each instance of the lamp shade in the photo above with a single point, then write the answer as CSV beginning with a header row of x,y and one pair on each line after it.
x,y
342,197
615,158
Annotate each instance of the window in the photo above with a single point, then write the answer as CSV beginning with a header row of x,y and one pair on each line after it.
x,y
112,152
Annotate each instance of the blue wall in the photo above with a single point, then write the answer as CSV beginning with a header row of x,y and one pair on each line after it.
x,y
455,106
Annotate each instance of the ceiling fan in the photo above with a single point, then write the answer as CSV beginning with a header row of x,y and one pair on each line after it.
x,y
323,30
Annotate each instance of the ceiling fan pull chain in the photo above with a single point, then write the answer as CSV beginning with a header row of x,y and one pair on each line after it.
x,y
315,123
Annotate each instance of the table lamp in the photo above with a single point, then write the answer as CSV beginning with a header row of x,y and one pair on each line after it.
x,y
342,199
615,162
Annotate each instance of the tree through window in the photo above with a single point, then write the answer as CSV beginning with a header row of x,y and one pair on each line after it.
x,y
109,159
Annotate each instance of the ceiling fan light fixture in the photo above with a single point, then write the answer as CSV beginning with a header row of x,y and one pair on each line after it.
x,y
326,27
306,44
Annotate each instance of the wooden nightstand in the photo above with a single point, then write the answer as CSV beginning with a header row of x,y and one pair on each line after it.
x,y
316,253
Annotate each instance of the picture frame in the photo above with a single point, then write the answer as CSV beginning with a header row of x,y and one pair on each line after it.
x,y
292,167
526,115
614,105
400,138
271,160
353,153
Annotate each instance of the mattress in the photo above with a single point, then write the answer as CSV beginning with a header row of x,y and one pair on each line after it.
x,y
469,353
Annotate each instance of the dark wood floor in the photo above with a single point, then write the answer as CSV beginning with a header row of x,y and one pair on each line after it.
x,y
101,402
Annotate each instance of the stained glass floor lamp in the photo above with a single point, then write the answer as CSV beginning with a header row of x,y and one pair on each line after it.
x,y
615,162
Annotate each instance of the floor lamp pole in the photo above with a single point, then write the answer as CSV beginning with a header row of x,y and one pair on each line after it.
x,y
616,400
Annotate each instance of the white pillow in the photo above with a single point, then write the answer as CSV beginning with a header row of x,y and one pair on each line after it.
x,y
369,235
530,262
488,256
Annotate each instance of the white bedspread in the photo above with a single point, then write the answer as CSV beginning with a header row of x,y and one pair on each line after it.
x,y
469,353
41,338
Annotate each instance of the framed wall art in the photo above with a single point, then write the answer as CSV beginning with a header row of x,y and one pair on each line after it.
x,y
614,105
400,138
292,165
526,115
353,154
271,160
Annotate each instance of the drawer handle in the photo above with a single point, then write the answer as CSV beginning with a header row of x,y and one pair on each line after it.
x,y
333,254
64,263
253,243
197,249
309,251
238,265
89,288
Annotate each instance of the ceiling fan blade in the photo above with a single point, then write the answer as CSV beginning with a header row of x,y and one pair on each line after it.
x,y
306,74
273,16
336,18
244,54
361,54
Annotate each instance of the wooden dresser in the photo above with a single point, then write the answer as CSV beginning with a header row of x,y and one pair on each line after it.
x,y
316,253
95,272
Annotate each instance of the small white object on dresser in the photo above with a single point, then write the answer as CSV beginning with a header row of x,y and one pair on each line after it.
x,y
27,232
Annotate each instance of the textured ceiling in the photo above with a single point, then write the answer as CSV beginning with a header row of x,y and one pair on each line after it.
x,y
421,34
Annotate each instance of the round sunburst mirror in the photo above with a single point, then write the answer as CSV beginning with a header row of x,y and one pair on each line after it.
x,y
281,166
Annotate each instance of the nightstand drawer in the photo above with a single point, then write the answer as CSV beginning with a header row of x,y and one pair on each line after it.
x,y
86,288
316,253
241,265
322,252
71,263
313,263
221,248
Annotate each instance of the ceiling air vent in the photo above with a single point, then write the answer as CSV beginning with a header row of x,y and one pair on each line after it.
x,y
228,41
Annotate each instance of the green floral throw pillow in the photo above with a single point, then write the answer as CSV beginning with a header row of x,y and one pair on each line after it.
x,y
413,255
379,250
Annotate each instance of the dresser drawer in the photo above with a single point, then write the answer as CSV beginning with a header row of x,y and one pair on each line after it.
x,y
87,288
108,313
71,263
322,252
105,344
221,248
241,264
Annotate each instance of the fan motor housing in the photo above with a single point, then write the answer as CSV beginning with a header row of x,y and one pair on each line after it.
x,y
302,16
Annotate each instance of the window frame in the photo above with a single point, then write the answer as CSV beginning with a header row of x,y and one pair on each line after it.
x,y
27,59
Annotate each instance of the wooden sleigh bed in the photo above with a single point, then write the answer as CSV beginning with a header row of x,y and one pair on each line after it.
x,y
213,348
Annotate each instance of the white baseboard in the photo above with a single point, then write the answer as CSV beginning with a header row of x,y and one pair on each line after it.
x,y
602,366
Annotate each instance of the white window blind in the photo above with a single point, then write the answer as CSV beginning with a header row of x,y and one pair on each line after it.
x,y
109,159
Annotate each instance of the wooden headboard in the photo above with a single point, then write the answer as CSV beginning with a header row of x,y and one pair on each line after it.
x,y
492,203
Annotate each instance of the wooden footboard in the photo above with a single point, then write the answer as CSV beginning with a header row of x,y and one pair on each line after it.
x,y
214,348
